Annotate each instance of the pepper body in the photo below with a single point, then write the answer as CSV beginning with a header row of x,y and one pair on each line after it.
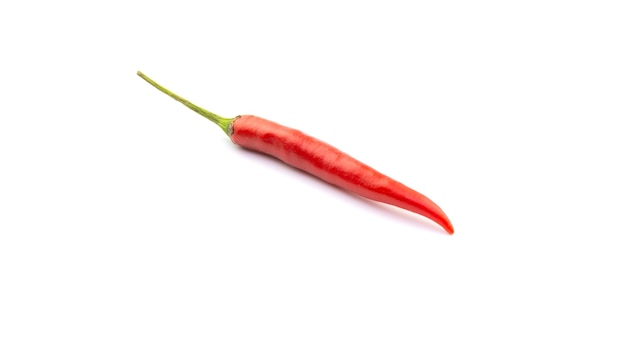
x,y
328,163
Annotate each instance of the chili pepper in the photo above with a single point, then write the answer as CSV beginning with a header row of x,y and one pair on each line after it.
x,y
319,159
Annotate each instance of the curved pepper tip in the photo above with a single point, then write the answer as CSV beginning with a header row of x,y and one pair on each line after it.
x,y
446,224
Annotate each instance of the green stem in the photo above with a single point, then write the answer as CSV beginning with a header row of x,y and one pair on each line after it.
x,y
224,123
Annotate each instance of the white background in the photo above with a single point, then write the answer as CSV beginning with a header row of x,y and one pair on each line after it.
x,y
129,223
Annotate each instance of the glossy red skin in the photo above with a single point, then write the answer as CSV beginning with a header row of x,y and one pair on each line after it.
x,y
331,165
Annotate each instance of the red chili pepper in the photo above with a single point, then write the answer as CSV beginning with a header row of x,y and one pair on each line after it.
x,y
319,159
